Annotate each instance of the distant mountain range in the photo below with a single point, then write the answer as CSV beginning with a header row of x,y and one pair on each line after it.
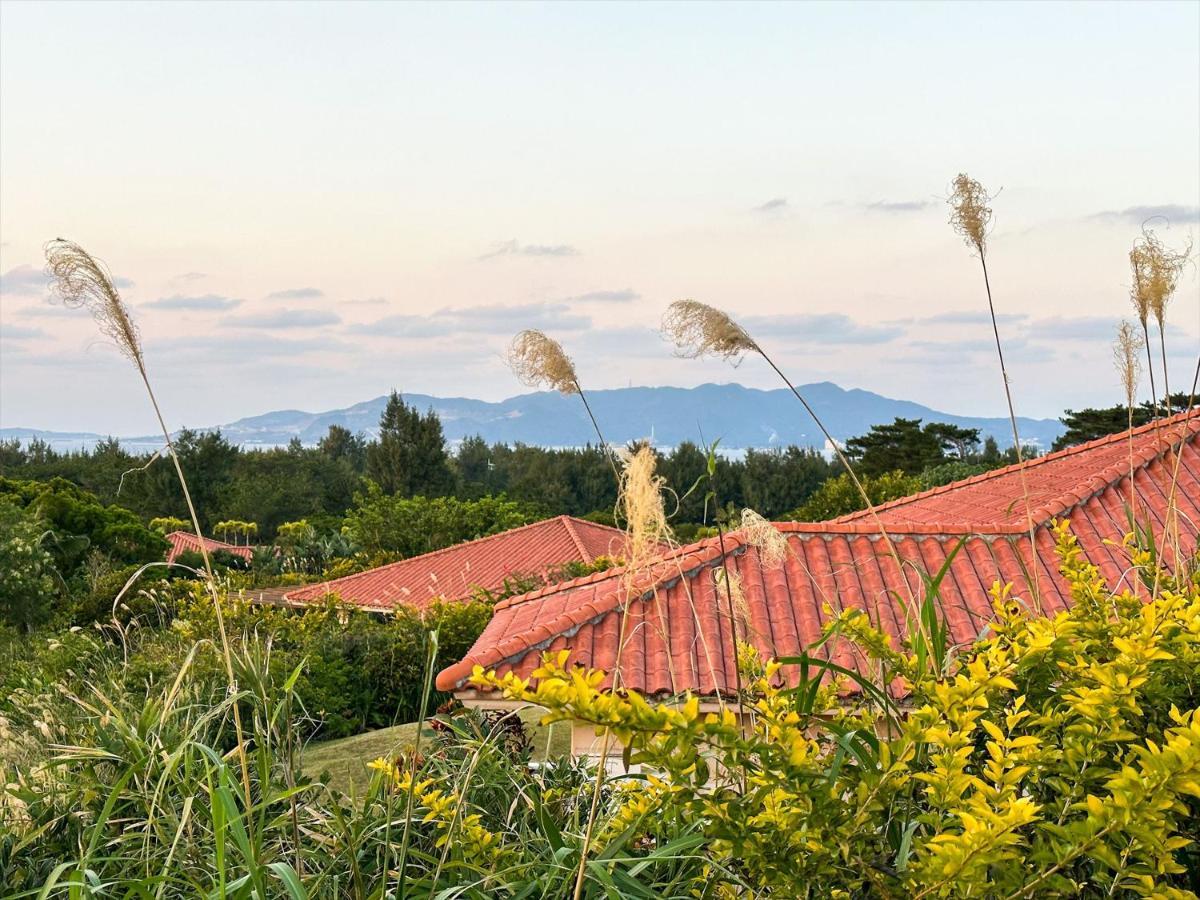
x,y
741,417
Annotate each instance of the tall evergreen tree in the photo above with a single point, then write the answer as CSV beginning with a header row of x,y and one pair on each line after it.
x,y
410,456
340,443
900,446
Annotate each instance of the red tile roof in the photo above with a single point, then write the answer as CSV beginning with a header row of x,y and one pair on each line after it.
x,y
453,573
184,542
676,626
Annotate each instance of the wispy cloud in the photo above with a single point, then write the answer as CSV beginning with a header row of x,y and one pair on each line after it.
x,y
23,281
774,205
246,348
284,318
21,333
52,311
822,328
403,326
301,293
199,302
497,319
971,317
1171,212
515,248
628,295
1075,328
187,277
898,206
974,352
493,319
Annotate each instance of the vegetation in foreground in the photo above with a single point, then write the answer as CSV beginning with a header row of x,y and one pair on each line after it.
x,y
1057,757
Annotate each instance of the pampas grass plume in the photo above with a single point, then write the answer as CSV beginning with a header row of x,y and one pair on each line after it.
x,y
698,329
759,533
540,361
1126,350
969,211
78,279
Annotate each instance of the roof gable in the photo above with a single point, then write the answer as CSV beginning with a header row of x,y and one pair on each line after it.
x,y
185,542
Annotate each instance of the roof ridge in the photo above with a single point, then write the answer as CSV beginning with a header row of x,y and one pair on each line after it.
x,y
439,552
1113,475
568,621
1027,465
611,572
574,536
191,536
474,542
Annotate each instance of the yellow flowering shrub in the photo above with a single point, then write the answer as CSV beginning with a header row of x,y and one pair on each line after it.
x,y
1058,756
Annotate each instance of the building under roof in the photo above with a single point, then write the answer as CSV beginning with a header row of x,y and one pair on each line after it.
x,y
675,619
186,542
455,573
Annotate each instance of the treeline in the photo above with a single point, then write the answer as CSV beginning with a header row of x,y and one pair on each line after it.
x,y
321,484
410,458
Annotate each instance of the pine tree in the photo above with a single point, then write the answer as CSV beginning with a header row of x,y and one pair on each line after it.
x,y
410,456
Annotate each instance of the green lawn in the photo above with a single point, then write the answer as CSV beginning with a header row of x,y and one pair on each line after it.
x,y
346,758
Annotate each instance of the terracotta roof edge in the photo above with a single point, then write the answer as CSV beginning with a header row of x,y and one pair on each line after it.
x,y
1179,418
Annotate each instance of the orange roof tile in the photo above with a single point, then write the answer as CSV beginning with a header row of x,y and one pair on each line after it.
x,y
675,622
185,542
454,572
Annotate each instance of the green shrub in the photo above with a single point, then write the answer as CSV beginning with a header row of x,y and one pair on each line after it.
x,y
27,585
410,526
839,496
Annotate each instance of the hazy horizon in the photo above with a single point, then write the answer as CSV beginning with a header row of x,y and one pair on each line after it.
x,y
307,205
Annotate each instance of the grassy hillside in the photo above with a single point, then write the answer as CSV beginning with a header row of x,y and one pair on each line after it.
x,y
346,758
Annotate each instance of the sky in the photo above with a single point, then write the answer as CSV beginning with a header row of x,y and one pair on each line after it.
x,y
307,205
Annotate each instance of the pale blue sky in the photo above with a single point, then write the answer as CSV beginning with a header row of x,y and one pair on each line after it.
x,y
317,202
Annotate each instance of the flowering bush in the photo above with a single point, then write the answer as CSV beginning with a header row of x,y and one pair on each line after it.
x,y
1057,757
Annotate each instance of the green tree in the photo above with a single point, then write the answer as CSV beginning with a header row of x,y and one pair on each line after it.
x,y
903,445
77,522
410,456
409,526
27,588
774,481
1089,424
167,524
340,444
839,496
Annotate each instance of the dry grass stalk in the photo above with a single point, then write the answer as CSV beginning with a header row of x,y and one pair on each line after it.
x,y
1156,271
1126,354
540,361
641,505
701,330
970,214
970,217
729,579
1126,350
1140,295
80,280
759,533
640,500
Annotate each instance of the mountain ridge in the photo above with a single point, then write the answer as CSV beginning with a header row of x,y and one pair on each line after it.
x,y
741,417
